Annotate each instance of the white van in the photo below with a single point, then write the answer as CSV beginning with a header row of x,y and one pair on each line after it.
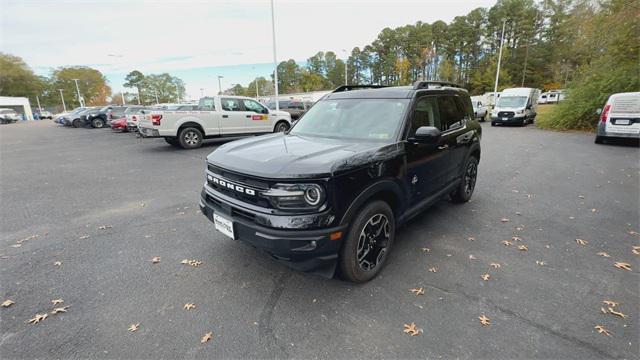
x,y
516,106
620,117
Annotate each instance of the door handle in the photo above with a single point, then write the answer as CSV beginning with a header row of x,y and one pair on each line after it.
x,y
225,116
248,116
445,146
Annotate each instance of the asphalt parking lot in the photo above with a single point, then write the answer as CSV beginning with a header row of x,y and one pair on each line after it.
x,y
85,210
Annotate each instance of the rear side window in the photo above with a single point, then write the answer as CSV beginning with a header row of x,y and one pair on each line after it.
x,y
450,112
208,104
626,104
229,104
425,113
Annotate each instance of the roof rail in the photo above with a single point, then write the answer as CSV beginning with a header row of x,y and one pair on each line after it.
x,y
425,84
344,88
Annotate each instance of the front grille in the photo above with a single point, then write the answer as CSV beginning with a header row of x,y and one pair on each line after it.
x,y
506,114
243,188
239,178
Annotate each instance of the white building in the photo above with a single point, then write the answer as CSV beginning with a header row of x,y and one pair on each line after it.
x,y
20,104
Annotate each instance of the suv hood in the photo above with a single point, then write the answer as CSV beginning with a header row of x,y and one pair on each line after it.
x,y
294,156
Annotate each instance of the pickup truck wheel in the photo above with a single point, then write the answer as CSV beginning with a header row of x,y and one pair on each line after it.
x,y
97,123
368,243
77,123
282,126
190,138
465,189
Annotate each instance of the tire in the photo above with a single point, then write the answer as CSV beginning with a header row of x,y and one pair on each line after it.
x,y
599,139
190,138
375,218
77,123
281,126
97,123
493,124
172,141
524,122
465,189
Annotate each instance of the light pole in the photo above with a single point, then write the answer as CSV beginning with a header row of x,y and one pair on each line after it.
x,y
275,57
64,106
178,93
201,92
38,101
78,91
122,95
495,87
346,59
220,85
156,93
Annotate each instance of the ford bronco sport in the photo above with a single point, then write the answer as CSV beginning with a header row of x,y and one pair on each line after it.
x,y
331,192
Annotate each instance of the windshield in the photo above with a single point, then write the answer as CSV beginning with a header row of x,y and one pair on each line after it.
x,y
367,119
512,101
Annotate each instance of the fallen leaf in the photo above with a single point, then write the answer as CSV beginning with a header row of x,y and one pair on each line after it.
x,y
485,277
611,303
134,327
194,263
155,260
603,310
471,238
633,233
425,249
104,227
602,253
208,336
84,237
594,210
518,213
57,263
582,242
142,205
523,247
516,238
60,310
16,245
411,329
622,265
181,213
417,291
471,257
507,243
602,330
541,263
635,250
485,321
36,319
519,228
189,306
504,220
616,313
581,196
7,303
57,301
433,269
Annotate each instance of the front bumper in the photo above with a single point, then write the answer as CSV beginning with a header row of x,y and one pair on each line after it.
x,y
300,249
507,120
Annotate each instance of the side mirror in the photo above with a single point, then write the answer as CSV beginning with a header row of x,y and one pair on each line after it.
x,y
599,111
427,135
529,107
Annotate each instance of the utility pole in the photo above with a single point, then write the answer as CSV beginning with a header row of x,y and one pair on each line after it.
x,y
38,101
178,93
138,95
78,91
156,92
219,85
346,60
495,88
524,71
275,57
63,104
122,95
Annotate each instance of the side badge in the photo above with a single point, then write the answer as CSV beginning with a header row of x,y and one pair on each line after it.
x,y
414,180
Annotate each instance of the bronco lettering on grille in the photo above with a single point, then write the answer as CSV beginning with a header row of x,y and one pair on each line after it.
x,y
224,183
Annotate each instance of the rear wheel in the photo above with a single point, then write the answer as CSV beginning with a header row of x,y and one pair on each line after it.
x,y
97,123
368,243
599,140
282,126
190,138
465,189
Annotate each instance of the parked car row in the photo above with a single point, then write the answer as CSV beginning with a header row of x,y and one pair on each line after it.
x,y
8,116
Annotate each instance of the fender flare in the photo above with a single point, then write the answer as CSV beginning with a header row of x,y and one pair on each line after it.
x,y
384,185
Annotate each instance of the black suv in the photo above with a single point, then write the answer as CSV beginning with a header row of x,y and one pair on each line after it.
x,y
332,191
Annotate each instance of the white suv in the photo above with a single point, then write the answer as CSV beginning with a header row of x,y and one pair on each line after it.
x,y
620,117
216,117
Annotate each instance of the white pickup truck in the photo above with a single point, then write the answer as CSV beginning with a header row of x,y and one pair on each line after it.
x,y
216,116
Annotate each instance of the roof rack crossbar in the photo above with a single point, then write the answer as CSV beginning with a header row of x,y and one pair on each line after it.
x,y
344,88
425,84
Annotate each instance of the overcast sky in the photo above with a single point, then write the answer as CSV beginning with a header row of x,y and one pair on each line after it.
x,y
198,40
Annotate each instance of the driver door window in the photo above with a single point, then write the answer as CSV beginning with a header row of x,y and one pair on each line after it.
x,y
425,113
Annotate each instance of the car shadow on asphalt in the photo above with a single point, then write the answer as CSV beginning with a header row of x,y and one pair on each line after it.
x,y
622,142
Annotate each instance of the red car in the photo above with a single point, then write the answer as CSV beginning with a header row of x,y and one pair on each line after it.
x,y
119,124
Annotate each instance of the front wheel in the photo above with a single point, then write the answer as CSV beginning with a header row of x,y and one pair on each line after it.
x,y
465,189
282,126
190,138
77,123
97,123
368,243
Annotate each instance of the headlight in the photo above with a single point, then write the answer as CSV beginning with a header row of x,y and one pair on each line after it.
x,y
520,112
295,196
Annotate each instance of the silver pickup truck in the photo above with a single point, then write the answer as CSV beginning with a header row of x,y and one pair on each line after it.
x,y
216,116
